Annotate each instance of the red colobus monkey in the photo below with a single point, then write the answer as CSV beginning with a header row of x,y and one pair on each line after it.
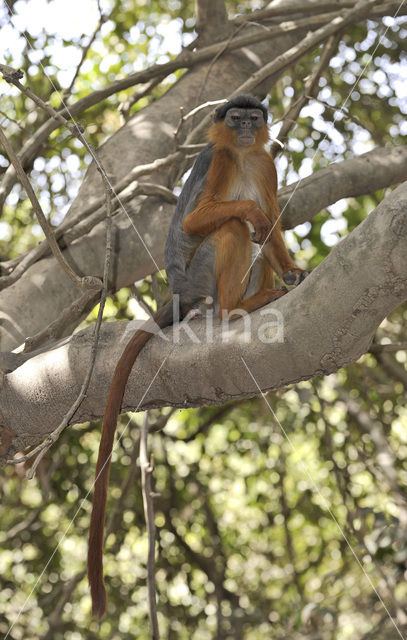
x,y
208,254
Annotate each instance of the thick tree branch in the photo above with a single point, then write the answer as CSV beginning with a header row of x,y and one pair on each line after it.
x,y
360,282
376,169
211,21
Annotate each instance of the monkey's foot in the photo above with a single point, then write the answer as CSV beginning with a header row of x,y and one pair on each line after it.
x,y
277,293
269,295
295,276
256,301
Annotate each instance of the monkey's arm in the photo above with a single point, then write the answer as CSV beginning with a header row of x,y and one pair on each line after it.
x,y
276,251
214,209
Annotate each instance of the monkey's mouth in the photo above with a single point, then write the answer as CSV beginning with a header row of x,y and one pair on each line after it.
x,y
246,139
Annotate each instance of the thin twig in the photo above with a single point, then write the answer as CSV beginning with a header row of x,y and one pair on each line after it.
x,y
85,282
144,90
85,50
140,300
146,473
179,127
309,89
190,114
10,119
349,116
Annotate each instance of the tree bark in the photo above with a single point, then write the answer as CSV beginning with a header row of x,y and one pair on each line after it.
x,y
326,323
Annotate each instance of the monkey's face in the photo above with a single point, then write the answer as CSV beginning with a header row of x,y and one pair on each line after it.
x,y
245,123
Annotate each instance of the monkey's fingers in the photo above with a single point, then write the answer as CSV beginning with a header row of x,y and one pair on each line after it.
x,y
262,232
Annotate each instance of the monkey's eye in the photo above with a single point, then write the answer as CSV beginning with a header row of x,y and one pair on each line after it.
x,y
235,117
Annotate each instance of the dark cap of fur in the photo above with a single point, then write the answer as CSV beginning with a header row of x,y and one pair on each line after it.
x,y
243,101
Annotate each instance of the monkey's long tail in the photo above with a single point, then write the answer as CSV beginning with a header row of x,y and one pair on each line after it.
x,y
163,318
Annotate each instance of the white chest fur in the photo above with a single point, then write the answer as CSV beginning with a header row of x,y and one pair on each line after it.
x,y
246,183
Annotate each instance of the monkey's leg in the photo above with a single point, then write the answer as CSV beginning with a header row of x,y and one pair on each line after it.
x,y
281,261
266,279
232,265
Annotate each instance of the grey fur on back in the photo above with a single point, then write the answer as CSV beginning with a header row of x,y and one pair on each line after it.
x,y
180,247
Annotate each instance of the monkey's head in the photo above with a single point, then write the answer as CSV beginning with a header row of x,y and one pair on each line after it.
x,y
241,122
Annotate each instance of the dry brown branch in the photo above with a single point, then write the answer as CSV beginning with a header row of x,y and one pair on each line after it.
x,y
147,492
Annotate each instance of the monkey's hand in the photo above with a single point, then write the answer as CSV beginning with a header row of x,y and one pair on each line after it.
x,y
261,224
